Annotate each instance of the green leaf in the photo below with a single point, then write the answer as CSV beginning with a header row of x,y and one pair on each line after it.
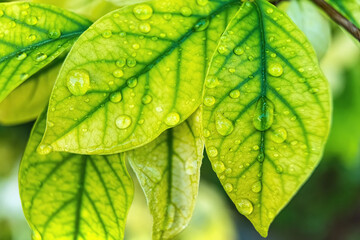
x,y
66,196
349,8
31,36
310,21
27,101
169,172
144,75
266,112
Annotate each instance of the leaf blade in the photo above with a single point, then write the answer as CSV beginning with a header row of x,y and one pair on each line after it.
x,y
66,196
274,102
30,41
176,159
146,65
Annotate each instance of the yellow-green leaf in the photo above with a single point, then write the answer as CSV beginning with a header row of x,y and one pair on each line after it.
x,y
169,171
66,196
31,36
143,75
269,117
27,101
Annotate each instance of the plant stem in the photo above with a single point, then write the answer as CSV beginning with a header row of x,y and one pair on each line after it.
x,y
338,18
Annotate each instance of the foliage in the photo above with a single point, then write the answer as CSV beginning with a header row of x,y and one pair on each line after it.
x,y
151,83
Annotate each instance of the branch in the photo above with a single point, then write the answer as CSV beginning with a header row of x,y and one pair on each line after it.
x,y
338,18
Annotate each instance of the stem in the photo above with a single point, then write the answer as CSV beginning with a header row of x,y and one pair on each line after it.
x,y
338,18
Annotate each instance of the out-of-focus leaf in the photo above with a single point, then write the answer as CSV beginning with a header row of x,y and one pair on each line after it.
x,y
315,26
32,36
145,74
27,101
349,8
266,111
168,169
66,196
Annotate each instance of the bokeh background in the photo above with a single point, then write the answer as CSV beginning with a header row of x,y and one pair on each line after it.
x,y
327,207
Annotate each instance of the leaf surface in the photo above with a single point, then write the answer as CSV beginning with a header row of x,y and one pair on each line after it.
x,y
31,36
169,172
144,75
266,111
349,8
66,196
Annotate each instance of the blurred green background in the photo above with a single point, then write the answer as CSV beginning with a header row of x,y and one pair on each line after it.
x,y
326,208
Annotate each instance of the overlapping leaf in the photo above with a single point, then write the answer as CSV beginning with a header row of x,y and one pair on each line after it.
x,y
144,74
27,101
67,196
349,8
266,111
169,172
31,36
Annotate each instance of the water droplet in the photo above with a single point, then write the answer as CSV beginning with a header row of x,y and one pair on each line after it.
x,y
256,187
31,37
132,82
275,69
264,114
145,27
209,101
167,16
238,51
206,133
228,187
121,62
279,169
222,49
279,135
250,58
223,125
44,149
146,99
235,94
21,56
40,57
172,119
24,76
213,152
202,2
261,157
269,10
256,147
131,62
136,46
245,206
107,34
116,97
32,20
186,11
118,73
212,82
219,167
78,82
202,25
54,33
143,11
123,121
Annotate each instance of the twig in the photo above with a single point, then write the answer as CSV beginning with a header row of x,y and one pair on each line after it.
x,y
338,18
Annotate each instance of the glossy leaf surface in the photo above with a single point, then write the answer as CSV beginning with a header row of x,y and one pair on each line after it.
x,y
66,196
144,75
169,172
267,117
31,36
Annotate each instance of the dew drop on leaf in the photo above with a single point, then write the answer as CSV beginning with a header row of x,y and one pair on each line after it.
x,y
40,57
206,133
143,11
31,37
44,149
131,62
275,69
245,206
235,94
202,25
132,82
264,114
172,119
116,97
202,2
123,121
261,157
219,167
107,34
279,135
223,125
228,187
256,187
54,33
121,62
212,82
213,152
24,76
32,20
145,27
209,101
146,99
21,56
167,16
238,51
118,73
186,11
78,82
